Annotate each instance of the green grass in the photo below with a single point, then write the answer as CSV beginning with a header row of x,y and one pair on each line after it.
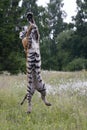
x,y
68,110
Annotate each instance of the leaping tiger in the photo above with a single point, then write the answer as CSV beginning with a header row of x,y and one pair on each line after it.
x,y
33,64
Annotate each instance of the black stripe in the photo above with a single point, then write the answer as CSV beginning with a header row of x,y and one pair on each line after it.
x,y
28,86
39,72
40,81
30,67
29,72
30,92
42,90
31,57
37,67
30,82
37,61
31,53
32,61
37,55
30,77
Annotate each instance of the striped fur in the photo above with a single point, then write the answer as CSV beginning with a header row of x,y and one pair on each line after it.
x,y
33,66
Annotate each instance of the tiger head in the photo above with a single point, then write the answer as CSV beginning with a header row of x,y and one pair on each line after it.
x,y
30,17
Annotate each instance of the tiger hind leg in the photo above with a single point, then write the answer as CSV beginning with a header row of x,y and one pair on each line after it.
x,y
42,89
31,91
43,96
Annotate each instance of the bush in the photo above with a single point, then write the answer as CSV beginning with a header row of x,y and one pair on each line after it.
x,y
76,65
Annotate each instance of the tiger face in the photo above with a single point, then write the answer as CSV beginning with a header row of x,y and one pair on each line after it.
x,y
30,17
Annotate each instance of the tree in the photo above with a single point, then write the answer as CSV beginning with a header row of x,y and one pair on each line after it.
x,y
56,15
64,48
81,26
81,17
55,25
9,43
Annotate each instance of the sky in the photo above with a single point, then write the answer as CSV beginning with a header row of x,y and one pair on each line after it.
x,y
69,7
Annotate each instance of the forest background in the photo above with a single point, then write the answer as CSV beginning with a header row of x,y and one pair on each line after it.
x,y
63,45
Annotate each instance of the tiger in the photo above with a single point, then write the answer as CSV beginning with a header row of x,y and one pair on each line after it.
x,y
33,64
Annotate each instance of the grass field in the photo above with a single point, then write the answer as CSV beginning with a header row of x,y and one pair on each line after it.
x,y
67,91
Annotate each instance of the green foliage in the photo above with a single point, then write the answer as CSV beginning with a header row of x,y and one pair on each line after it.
x,y
10,46
77,64
15,63
63,48
56,17
81,17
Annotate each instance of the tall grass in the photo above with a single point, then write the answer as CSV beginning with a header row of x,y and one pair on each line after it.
x,y
68,110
